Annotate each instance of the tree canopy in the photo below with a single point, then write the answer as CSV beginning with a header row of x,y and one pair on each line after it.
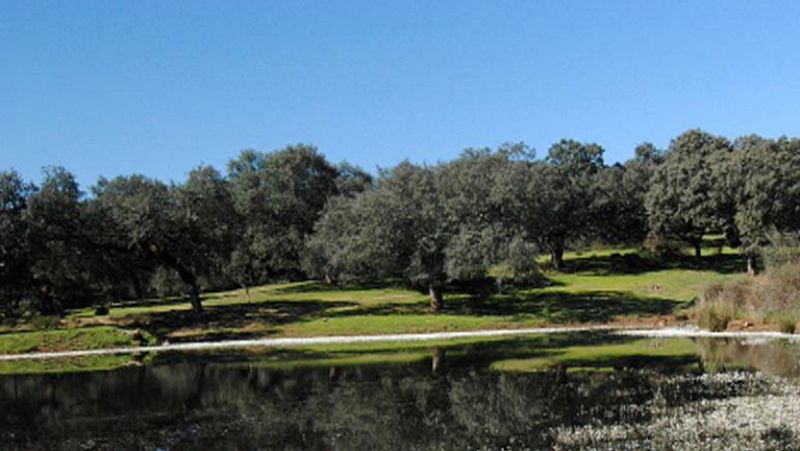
x,y
291,214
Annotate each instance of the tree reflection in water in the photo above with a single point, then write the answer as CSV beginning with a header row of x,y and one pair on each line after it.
x,y
428,405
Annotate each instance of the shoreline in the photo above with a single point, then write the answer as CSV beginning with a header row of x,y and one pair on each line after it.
x,y
632,331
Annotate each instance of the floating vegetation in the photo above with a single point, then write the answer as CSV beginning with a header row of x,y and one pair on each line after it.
x,y
732,411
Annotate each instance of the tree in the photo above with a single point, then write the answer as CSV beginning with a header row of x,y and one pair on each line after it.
x,y
397,230
689,195
480,238
618,197
537,198
185,228
767,190
426,225
550,201
14,247
279,196
351,180
60,262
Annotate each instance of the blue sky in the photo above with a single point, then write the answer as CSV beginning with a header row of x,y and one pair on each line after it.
x,y
157,87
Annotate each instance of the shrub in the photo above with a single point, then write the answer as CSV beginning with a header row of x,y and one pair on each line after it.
x,y
721,303
773,296
787,324
663,247
784,249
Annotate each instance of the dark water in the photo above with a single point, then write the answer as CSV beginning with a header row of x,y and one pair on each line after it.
x,y
446,399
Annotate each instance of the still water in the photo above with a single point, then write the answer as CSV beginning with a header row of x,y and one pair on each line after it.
x,y
579,391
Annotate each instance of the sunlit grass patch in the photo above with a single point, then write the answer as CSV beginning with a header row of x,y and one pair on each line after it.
x,y
70,339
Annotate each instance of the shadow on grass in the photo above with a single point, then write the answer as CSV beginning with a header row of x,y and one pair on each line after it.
x,y
616,264
235,321
555,307
558,307
315,286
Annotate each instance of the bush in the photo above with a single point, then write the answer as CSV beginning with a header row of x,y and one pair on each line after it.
x,y
787,324
784,249
663,247
774,297
721,303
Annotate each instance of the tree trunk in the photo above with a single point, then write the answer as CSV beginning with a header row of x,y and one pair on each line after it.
x,y
557,257
437,300
751,270
194,298
137,285
187,276
698,249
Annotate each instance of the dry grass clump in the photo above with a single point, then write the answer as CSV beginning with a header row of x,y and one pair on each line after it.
x,y
773,297
723,302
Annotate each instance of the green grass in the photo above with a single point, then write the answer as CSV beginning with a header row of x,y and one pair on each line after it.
x,y
599,286
66,339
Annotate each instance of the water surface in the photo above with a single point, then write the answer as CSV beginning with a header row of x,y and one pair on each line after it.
x,y
576,391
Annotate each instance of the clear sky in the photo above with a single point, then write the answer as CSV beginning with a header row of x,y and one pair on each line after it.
x,y
159,87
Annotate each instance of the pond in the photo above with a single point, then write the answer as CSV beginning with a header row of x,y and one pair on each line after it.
x,y
573,391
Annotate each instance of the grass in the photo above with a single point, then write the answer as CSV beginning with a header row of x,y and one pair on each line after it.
x,y
599,286
67,339
770,298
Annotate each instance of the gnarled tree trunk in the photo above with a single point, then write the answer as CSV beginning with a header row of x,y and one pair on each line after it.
x,y
188,277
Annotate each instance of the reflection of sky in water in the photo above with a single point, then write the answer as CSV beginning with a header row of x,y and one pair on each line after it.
x,y
576,391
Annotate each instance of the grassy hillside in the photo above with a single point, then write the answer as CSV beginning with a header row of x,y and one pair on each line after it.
x,y
599,287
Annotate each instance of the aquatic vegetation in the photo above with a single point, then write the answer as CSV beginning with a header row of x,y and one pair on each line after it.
x,y
745,411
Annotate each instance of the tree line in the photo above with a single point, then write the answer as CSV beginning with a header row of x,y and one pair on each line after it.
x,y
291,214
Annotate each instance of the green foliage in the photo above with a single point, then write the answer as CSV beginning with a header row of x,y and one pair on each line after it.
x,y
767,189
291,214
689,196
279,197
427,225
618,198
783,249
15,252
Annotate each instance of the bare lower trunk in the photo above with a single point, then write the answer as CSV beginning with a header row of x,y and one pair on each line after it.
x,y
194,298
437,300
698,249
137,285
557,258
751,271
